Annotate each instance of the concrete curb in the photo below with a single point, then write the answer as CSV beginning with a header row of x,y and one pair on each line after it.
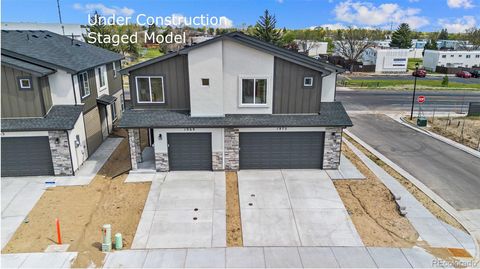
x,y
435,197
438,137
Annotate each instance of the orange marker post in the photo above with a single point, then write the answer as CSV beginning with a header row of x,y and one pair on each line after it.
x,y
59,235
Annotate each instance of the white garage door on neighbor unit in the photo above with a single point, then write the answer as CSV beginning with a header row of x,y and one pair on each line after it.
x,y
286,150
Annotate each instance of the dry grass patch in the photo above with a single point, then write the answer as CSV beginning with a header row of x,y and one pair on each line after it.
x,y
373,210
452,129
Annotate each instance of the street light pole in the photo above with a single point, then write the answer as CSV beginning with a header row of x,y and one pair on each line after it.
x,y
414,89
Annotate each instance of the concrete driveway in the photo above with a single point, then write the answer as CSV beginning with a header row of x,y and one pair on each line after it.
x,y
293,208
183,209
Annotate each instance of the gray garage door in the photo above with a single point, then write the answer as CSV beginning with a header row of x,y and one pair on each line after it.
x,y
190,151
26,156
287,150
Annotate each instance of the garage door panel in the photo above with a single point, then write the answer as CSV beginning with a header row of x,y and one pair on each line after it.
x,y
190,151
26,156
288,150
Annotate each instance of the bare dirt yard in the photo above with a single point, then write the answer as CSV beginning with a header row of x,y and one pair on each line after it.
x,y
373,210
83,210
464,130
234,221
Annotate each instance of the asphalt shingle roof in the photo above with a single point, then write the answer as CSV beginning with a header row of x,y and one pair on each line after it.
x,y
253,42
331,114
56,50
62,117
22,65
106,99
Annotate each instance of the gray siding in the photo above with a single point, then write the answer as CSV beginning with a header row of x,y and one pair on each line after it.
x,y
46,93
175,76
91,100
114,83
22,103
289,94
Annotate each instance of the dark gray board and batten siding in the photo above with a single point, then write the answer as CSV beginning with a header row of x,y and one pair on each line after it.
x,y
289,94
90,101
114,83
17,103
175,81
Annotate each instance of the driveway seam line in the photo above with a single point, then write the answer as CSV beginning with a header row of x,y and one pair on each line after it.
x,y
291,208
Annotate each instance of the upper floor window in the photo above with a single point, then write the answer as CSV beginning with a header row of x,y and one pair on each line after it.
x,y
444,56
477,56
102,76
451,55
254,91
467,56
459,55
205,82
25,83
150,89
308,81
83,84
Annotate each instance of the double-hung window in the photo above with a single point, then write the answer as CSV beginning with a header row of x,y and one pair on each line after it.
x,y
114,70
83,84
254,91
150,89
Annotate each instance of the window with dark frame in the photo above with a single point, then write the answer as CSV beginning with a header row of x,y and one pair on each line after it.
x,y
113,107
25,83
205,82
101,77
308,81
150,89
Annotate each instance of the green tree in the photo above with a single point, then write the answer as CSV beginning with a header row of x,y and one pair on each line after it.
x,y
401,38
265,29
443,35
445,81
473,36
98,28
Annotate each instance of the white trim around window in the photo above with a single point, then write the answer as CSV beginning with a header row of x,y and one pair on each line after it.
x,y
240,90
84,84
308,81
150,90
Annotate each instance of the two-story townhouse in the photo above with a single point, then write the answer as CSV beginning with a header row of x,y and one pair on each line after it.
x,y
60,98
235,102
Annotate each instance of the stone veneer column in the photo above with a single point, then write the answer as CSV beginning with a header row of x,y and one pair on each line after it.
x,y
332,148
217,161
61,158
231,149
135,150
161,162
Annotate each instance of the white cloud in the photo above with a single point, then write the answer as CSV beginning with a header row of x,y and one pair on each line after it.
x,y
458,25
460,3
225,22
333,26
366,13
104,10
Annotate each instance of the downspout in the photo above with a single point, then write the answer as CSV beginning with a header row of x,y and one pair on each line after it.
x,y
74,93
70,151
335,93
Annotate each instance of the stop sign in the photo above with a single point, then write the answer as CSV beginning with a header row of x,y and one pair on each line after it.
x,y
421,99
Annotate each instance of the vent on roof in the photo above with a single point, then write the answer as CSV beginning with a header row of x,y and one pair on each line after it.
x,y
48,35
78,45
19,31
36,36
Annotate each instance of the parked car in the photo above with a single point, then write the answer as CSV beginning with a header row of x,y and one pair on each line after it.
x,y
475,73
463,74
421,73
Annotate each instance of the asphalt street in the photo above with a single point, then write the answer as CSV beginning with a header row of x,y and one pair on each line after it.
x,y
390,100
451,173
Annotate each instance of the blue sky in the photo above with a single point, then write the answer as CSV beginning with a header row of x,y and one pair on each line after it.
x,y
427,15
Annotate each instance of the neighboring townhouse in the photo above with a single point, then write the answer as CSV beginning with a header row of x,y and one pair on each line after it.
x,y
78,31
442,58
234,102
386,60
60,99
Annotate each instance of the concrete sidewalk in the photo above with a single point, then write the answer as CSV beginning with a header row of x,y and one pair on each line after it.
x,y
38,260
276,257
20,194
